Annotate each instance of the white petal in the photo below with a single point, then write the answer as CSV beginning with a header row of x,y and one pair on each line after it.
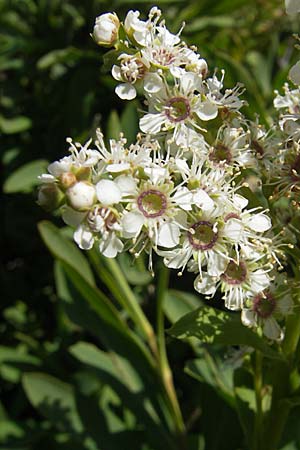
x,y
84,238
115,168
116,73
184,198
190,82
248,318
177,258
216,264
259,281
111,246
206,285
153,83
271,329
127,185
233,229
259,222
239,201
72,217
151,123
58,167
203,200
46,178
125,91
292,6
132,223
168,235
207,111
294,74
156,174
108,192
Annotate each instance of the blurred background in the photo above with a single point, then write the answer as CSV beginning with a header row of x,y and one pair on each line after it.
x,y
53,85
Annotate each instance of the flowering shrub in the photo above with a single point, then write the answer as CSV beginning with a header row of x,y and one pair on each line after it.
x,y
181,190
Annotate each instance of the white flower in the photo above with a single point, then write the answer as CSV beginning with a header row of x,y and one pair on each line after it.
x,y
231,148
174,109
239,281
106,29
136,28
266,307
81,196
152,210
119,158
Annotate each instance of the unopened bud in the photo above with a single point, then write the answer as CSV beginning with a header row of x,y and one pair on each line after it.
x,y
81,196
67,179
49,196
106,29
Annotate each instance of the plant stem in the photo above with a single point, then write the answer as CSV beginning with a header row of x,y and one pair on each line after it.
x,y
278,414
127,299
258,385
164,367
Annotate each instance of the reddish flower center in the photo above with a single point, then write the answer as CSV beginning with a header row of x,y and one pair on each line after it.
x,y
203,237
152,203
178,109
235,273
264,304
220,154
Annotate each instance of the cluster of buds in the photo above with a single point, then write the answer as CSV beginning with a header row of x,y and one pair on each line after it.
x,y
177,191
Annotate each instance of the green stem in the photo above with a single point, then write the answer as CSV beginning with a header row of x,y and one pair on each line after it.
x,y
258,385
278,414
164,367
117,283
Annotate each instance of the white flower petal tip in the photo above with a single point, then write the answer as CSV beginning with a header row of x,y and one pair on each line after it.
x,y
132,223
168,235
126,91
108,193
259,223
152,83
84,238
207,111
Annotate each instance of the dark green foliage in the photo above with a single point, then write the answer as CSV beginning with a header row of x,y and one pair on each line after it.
x,y
75,373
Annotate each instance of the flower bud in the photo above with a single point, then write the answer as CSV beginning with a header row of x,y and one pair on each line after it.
x,y
49,196
81,196
106,29
67,179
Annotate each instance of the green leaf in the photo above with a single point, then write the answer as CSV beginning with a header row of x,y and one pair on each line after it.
x,y
13,361
129,121
213,326
64,250
114,126
245,402
134,270
179,303
213,371
15,124
119,367
204,22
25,177
54,399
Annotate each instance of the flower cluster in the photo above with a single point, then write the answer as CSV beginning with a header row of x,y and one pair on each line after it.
x,y
177,191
